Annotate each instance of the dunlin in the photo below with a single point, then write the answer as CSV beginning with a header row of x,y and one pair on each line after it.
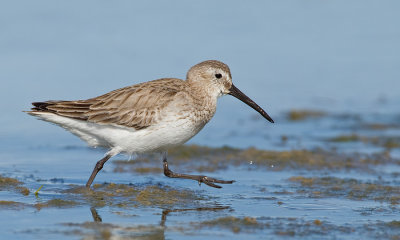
x,y
148,117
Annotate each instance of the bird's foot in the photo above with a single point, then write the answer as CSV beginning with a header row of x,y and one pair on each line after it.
x,y
199,178
211,181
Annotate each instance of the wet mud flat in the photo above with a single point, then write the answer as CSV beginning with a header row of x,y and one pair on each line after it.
x,y
345,186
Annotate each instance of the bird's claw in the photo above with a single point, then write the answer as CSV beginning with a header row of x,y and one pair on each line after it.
x,y
210,181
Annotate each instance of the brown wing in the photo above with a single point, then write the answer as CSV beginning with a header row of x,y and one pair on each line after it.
x,y
138,106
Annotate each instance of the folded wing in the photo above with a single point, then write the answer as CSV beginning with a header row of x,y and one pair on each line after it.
x,y
138,106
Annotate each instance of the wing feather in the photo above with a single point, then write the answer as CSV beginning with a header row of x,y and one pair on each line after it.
x,y
138,106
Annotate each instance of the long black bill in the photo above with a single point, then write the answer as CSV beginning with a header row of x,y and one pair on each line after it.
x,y
234,91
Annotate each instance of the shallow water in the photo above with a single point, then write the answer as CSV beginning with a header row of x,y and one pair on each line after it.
x,y
329,172
295,196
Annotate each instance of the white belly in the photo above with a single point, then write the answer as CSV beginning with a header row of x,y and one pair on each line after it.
x,y
168,133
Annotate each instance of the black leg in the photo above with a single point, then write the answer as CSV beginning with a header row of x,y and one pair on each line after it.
x,y
95,215
200,178
97,168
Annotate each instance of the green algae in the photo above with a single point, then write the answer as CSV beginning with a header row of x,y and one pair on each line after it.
x,y
384,230
121,168
295,227
393,224
350,188
234,224
107,194
299,115
280,227
13,184
106,231
53,203
187,152
6,182
145,170
288,159
311,160
162,196
391,143
23,190
206,159
129,195
380,141
212,159
346,138
56,203
114,190
11,205
272,226
377,126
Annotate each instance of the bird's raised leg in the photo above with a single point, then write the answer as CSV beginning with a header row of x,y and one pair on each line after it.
x,y
200,178
97,168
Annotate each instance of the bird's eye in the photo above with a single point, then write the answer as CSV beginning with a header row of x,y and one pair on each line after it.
x,y
218,75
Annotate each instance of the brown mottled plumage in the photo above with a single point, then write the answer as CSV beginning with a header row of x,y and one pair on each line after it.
x,y
150,116
137,106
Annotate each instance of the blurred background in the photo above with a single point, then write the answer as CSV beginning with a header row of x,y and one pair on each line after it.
x,y
327,72
335,56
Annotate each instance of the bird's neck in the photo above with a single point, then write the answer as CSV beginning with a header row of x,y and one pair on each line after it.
x,y
205,101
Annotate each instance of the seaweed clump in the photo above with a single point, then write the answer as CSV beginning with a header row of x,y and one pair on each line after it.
x,y
299,115
208,159
56,203
12,184
234,224
380,141
350,188
130,195
11,205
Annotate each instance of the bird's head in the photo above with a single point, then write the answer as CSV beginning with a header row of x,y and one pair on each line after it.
x,y
216,77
